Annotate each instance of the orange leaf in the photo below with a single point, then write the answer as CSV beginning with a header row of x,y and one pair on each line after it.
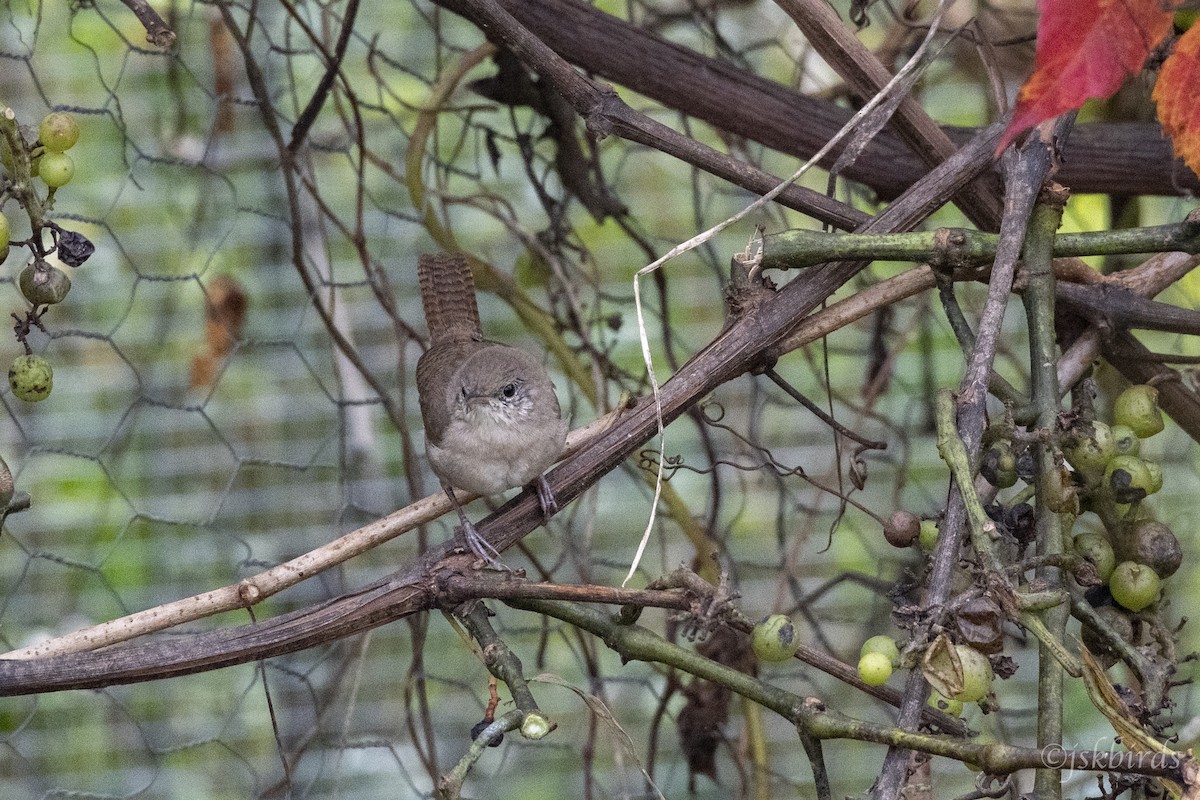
x,y
1085,49
1175,96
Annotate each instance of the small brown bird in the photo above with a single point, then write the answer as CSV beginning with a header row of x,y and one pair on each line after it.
x,y
492,419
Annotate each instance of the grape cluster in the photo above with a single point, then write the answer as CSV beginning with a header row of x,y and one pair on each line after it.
x,y
1134,553
41,283
1125,564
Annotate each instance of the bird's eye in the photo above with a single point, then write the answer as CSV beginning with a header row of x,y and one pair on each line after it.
x,y
509,390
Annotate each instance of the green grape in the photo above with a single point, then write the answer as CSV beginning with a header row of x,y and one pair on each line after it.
x,y
31,378
952,707
1125,440
929,535
1096,548
58,131
874,669
1134,585
3,232
1156,475
882,644
1137,407
774,638
1088,447
56,169
1129,478
999,465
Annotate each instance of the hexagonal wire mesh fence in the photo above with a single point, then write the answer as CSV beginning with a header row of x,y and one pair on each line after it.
x,y
204,427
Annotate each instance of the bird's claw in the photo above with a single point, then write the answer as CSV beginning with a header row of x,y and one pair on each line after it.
x,y
546,499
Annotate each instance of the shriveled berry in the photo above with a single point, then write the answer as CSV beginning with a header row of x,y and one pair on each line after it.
x,y
976,674
1117,619
980,624
74,248
902,528
43,284
1156,546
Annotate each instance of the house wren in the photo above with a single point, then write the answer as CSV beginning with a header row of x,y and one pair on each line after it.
x,y
492,420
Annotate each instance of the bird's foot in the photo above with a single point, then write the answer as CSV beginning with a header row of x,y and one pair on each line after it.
x,y
546,499
482,548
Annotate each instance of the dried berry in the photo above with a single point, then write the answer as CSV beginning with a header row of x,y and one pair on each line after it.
x,y
1156,546
42,284
74,248
902,529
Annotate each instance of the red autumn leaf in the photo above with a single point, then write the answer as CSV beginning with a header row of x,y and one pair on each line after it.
x,y
1085,49
1175,96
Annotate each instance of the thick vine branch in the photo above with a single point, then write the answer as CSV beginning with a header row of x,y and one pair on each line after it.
x,y
1115,158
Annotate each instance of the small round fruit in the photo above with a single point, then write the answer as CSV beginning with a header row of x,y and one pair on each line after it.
x,y
929,535
1156,475
1137,407
3,232
1096,548
1125,441
902,528
56,169
999,465
952,707
977,674
43,285
774,638
1129,479
874,669
884,645
1156,546
31,378
58,131
1088,447
1134,585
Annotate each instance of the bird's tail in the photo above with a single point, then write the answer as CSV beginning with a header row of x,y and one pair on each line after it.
x,y
448,295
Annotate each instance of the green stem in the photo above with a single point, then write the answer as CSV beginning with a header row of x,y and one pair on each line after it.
x,y
798,248
814,720
1043,358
